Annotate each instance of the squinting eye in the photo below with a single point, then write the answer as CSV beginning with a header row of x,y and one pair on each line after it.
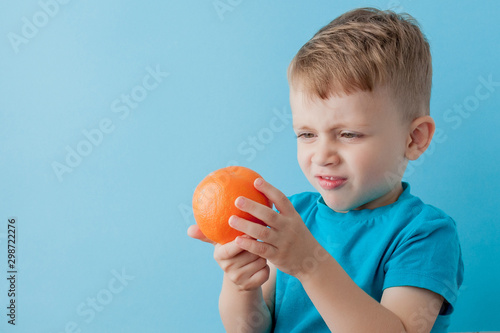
x,y
349,135
305,135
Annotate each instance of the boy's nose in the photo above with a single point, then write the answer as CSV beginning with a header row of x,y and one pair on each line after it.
x,y
326,155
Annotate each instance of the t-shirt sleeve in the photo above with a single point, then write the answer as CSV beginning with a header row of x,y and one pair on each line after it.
x,y
429,257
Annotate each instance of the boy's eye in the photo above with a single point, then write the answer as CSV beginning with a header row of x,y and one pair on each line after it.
x,y
350,135
305,135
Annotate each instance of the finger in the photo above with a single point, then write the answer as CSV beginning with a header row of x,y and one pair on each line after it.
x,y
260,276
257,269
283,205
226,251
258,210
252,267
261,249
195,232
257,279
254,230
248,274
244,258
234,264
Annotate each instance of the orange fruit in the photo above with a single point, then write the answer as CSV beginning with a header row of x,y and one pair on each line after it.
x,y
214,197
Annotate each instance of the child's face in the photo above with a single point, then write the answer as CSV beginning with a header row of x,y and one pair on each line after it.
x,y
359,140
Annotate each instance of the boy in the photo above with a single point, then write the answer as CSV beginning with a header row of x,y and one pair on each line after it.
x,y
362,254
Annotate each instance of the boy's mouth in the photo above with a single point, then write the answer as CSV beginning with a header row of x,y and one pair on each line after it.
x,y
330,182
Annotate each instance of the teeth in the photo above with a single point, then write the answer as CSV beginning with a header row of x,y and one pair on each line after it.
x,y
328,178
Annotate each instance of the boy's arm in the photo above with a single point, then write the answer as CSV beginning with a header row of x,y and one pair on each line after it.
x,y
404,301
344,306
269,289
246,302
347,308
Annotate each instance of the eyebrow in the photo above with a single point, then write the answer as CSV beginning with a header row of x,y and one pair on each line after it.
x,y
307,128
301,128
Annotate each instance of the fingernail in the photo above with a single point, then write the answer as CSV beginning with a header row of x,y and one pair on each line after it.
x,y
259,181
240,201
232,221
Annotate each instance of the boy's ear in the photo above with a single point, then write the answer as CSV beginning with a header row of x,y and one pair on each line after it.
x,y
420,136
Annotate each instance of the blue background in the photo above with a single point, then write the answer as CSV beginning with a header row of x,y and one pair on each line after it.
x,y
124,208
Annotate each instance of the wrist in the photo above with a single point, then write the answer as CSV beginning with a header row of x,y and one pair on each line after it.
x,y
312,265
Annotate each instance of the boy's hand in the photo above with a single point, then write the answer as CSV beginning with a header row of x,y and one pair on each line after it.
x,y
246,270
287,243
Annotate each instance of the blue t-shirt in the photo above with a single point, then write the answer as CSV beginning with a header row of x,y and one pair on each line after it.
x,y
406,243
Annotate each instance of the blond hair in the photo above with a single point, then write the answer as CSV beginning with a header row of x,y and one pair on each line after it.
x,y
362,49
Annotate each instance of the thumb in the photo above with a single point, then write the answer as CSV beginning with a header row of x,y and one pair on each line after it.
x,y
195,232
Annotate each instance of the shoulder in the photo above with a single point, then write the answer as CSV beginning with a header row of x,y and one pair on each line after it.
x,y
426,219
426,252
412,216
